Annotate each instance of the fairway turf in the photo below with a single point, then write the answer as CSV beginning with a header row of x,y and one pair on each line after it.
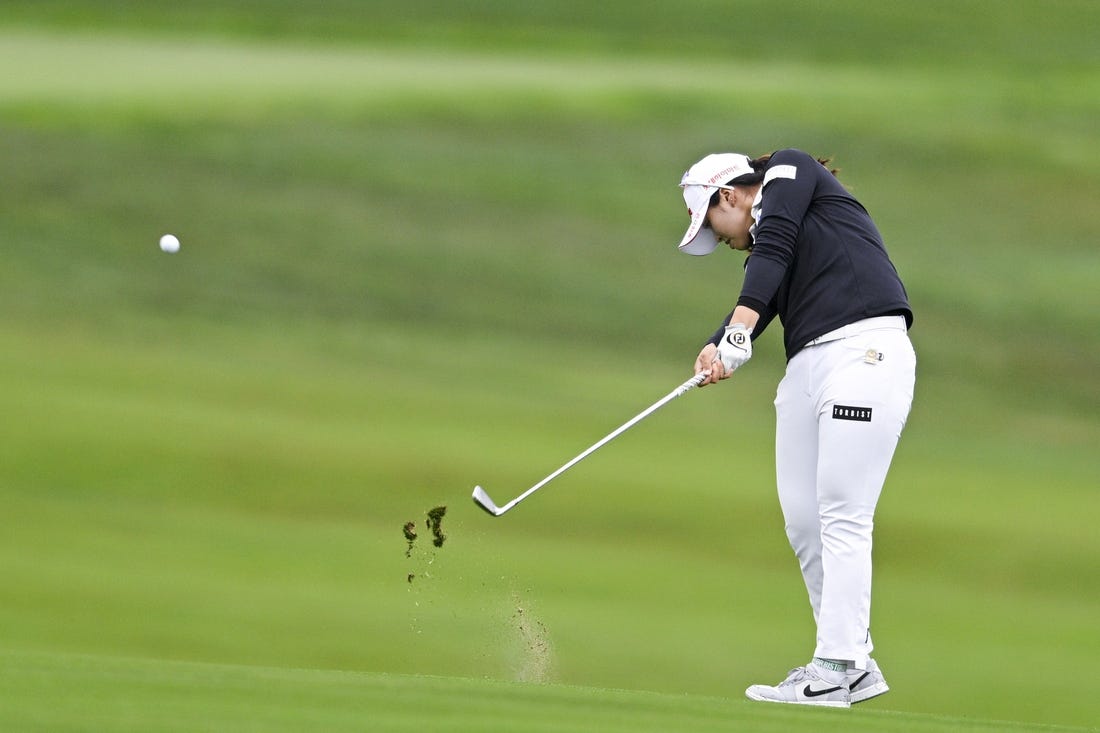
x,y
58,694
416,258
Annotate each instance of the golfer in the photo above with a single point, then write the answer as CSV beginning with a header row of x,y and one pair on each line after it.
x,y
817,261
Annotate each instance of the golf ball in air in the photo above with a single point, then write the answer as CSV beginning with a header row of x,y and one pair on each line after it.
x,y
170,243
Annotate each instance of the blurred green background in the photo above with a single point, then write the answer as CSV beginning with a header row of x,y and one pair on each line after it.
x,y
431,245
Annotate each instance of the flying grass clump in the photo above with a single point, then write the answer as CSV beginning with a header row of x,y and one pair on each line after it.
x,y
435,527
435,519
410,536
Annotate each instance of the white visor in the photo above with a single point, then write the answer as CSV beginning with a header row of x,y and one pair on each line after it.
x,y
699,238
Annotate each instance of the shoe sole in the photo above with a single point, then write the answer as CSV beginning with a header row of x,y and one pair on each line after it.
x,y
867,693
821,704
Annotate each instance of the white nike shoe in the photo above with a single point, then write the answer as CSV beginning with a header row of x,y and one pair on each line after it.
x,y
809,685
863,684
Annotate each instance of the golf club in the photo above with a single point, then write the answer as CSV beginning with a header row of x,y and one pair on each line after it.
x,y
482,499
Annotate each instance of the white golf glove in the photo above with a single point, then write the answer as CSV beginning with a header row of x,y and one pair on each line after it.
x,y
735,348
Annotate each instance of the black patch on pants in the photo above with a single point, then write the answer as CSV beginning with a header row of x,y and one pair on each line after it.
x,y
847,412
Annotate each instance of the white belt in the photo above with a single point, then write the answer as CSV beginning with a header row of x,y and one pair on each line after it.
x,y
894,323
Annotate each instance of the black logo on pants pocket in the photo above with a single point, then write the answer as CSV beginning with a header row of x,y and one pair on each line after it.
x,y
847,412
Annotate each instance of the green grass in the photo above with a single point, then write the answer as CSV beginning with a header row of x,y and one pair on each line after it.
x,y
1006,35
80,693
425,250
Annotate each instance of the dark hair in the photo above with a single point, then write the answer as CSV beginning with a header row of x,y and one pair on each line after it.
x,y
757,175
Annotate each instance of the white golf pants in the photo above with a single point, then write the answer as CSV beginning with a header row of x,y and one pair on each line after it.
x,y
840,410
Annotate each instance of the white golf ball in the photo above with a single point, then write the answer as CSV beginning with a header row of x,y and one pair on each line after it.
x,y
170,243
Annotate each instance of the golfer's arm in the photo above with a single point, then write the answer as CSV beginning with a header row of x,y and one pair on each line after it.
x,y
746,315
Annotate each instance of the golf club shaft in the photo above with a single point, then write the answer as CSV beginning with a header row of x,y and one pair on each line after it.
x,y
686,386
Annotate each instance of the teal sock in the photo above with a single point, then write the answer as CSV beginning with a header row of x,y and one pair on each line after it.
x,y
833,665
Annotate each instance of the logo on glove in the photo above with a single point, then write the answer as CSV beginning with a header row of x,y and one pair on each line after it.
x,y
737,338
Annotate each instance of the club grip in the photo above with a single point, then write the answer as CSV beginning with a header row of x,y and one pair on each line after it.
x,y
690,384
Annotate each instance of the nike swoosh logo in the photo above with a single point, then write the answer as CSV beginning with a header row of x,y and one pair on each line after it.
x,y
811,692
861,678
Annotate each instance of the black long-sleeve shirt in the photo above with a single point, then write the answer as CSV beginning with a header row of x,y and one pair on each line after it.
x,y
818,261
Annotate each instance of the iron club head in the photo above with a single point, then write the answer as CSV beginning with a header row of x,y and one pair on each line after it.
x,y
482,500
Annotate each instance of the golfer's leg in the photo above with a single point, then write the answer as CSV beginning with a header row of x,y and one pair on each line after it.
x,y
796,444
854,454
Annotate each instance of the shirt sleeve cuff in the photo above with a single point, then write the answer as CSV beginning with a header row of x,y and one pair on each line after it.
x,y
750,302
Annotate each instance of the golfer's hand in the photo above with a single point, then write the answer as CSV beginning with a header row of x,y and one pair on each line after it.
x,y
735,348
706,363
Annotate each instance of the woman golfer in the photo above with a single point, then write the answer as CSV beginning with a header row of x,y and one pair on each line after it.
x,y
817,261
